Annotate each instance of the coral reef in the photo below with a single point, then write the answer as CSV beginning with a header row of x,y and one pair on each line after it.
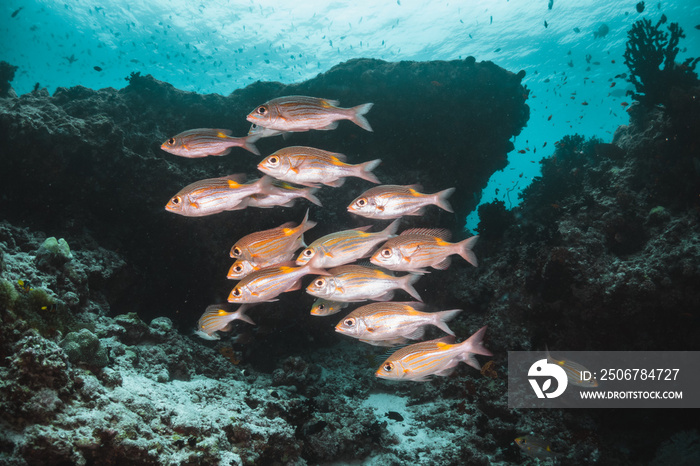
x,y
650,55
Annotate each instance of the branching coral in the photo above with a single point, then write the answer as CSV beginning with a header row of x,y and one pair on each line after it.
x,y
648,48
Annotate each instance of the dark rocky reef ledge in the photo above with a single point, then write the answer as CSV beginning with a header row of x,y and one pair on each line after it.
x,y
85,160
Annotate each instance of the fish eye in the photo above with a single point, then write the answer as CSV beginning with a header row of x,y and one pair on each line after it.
x,y
254,126
321,307
362,202
349,322
388,367
386,252
320,282
308,253
171,141
273,160
236,251
236,292
176,200
262,110
238,269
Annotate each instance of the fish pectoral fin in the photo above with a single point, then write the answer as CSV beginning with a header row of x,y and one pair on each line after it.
x,y
295,286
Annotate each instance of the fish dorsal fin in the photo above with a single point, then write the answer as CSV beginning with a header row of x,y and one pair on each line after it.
x,y
338,156
414,187
418,306
235,180
328,103
223,133
441,233
444,341
364,228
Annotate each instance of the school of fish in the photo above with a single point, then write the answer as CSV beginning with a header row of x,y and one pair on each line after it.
x,y
267,263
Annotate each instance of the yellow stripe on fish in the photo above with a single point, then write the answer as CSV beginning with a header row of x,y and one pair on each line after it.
x,y
435,357
414,250
309,166
302,113
573,371
215,195
202,142
394,201
344,247
393,321
264,246
266,284
352,283
216,318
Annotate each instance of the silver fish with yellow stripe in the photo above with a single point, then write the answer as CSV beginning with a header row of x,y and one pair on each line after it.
x,y
283,194
216,318
343,247
263,246
573,371
243,267
353,283
309,166
266,284
324,307
302,113
390,323
414,250
394,201
215,195
201,142
435,357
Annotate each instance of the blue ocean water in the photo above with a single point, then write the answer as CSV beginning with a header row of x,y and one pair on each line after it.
x,y
574,73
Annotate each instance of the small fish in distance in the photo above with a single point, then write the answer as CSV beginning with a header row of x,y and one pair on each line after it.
x,y
310,167
216,318
398,322
393,201
202,142
414,250
535,447
439,357
215,195
301,113
324,307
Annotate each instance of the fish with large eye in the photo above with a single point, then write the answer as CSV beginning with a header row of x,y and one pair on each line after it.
x,y
266,245
353,283
416,249
393,323
324,307
215,195
202,142
266,284
420,361
302,113
309,166
217,319
394,201
346,246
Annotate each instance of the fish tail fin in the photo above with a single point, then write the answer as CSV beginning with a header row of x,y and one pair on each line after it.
x,y
442,317
307,224
474,345
309,196
249,144
365,170
357,116
391,230
441,199
265,185
407,285
241,315
464,249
